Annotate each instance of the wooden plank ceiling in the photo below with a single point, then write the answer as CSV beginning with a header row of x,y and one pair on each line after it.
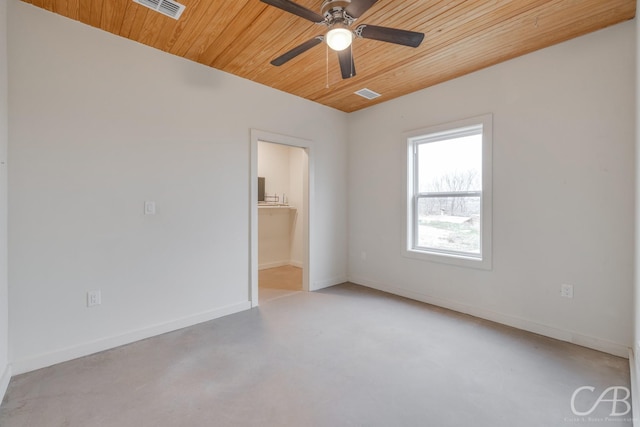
x,y
242,36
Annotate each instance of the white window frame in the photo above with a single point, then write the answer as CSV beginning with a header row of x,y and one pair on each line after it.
x,y
440,132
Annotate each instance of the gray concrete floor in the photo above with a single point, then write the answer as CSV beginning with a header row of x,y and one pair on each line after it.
x,y
344,356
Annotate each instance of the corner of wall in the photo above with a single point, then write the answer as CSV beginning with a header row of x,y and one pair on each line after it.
x,y
633,369
635,350
4,381
5,367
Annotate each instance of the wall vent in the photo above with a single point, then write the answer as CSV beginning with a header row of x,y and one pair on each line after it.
x,y
367,93
166,7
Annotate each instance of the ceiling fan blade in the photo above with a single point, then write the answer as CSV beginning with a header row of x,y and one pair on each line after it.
x,y
296,9
357,7
347,66
390,35
297,51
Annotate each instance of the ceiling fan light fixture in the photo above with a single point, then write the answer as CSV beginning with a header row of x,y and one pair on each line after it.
x,y
338,16
339,38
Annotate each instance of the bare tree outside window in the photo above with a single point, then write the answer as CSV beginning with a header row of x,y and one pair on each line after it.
x,y
450,183
448,204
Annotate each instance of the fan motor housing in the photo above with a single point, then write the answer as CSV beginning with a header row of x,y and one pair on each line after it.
x,y
334,11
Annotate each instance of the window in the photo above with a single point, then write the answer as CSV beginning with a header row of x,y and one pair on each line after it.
x,y
449,193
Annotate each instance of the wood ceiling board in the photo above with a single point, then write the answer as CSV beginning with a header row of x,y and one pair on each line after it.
x,y
480,51
447,60
163,32
84,11
237,27
440,39
277,43
113,15
133,9
61,7
95,13
151,27
168,34
242,37
264,34
137,27
253,65
49,5
454,25
72,9
170,37
198,32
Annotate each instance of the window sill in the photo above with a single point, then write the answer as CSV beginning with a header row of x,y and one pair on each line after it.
x,y
456,260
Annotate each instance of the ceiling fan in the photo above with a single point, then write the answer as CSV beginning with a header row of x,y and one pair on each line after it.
x,y
338,16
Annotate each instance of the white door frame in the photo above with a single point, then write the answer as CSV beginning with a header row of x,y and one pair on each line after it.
x,y
259,135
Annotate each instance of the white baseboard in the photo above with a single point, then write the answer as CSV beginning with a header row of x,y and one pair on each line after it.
x,y
4,381
635,406
273,264
85,349
321,284
527,325
296,263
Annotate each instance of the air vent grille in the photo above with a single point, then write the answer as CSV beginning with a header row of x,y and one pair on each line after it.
x,y
166,7
367,93
153,4
169,8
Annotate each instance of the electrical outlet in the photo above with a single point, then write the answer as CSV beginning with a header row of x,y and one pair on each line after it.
x,y
94,298
566,291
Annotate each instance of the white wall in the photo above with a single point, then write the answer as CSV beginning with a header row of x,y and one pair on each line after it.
x,y
100,124
273,165
5,373
636,304
274,236
563,191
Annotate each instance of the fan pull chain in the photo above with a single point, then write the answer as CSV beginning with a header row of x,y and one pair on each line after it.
x,y
327,62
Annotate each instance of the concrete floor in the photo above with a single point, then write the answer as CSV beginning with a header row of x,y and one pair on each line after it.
x,y
344,356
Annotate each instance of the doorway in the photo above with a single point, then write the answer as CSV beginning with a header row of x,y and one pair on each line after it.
x,y
279,231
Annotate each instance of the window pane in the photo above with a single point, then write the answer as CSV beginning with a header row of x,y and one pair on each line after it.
x,y
449,223
450,165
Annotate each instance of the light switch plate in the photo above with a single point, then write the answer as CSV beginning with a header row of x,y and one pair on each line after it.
x,y
149,208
